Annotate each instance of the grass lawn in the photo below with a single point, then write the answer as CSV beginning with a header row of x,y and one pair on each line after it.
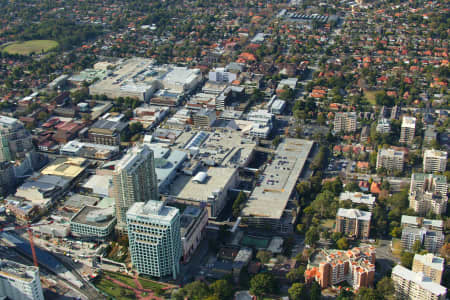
x,y
328,223
123,278
396,247
370,96
113,290
28,47
148,284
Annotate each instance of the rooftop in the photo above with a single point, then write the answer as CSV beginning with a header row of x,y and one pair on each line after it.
x,y
431,260
278,180
154,210
94,216
354,214
409,122
18,271
133,157
68,167
215,182
419,279
358,197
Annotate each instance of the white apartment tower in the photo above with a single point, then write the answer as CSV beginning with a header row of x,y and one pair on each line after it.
x,y
345,122
390,159
134,180
19,281
428,192
15,140
408,130
434,161
155,238
410,285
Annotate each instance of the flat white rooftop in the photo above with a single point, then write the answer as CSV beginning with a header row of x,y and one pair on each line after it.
x,y
419,279
279,179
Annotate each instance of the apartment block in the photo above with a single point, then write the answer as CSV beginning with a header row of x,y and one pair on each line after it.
x,y
430,265
410,285
428,192
353,222
429,182
134,180
332,267
19,281
106,132
428,232
383,126
407,130
390,159
345,122
434,161
155,239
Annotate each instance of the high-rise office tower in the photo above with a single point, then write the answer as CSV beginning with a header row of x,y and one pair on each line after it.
x,y
155,238
134,180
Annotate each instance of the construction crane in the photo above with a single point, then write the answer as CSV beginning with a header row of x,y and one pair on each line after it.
x,y
30,236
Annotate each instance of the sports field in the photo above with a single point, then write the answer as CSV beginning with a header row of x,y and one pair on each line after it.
x,y
28,47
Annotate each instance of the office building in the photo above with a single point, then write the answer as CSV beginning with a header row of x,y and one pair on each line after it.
x,y
407,130
410,285
93,223
19,281
332,267
154,238
391,160
353,222
106,132
430,265
345,122
15,140
204,118
434,161
221,75
134,180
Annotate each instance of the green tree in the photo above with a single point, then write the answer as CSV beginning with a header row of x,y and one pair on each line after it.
x,y
264,256
407,259
368,294
312,236
385,287
296,275
196,290
222,289
297,291
417,246
238,204
342,243
262,284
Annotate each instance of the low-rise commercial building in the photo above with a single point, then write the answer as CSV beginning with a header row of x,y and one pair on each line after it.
x,y
415,286
193,222
353,222
106,132
332,267
271,205
93,223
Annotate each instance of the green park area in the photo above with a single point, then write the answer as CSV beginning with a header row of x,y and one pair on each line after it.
x,y
107,286
29,47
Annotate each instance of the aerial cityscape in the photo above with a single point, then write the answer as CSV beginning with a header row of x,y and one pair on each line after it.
x,y
224,150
